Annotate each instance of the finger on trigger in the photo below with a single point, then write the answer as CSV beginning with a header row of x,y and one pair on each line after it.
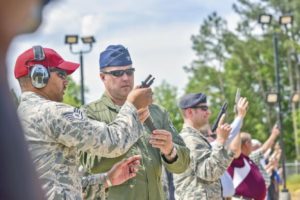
x,y
221,122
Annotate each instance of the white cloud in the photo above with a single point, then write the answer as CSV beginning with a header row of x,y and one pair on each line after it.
x,y
157,34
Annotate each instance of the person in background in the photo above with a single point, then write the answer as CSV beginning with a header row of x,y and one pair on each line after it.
x,y
259,150
235,141
275,172
208,163
247,179
56,132
159,148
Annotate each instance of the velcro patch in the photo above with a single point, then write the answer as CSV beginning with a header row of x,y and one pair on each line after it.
x,y
75,115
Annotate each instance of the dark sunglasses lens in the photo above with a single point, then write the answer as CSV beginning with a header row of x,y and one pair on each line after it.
x,y
117,73
62,74
129,71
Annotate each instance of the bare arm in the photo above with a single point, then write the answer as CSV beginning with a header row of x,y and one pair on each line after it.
x,y
235,146
271,140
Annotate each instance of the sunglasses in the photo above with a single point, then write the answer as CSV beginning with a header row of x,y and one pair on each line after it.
x,y
202,107
60,73
119,73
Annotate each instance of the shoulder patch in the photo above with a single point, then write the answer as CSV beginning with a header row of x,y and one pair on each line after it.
x,y
75,115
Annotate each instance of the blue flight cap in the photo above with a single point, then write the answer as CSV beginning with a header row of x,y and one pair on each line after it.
x,y
191,100
114,55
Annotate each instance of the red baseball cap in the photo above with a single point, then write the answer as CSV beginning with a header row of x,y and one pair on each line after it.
x,y
52,59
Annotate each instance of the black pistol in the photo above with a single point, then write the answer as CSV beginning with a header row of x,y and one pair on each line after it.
x,y
145,84
148,81
222,111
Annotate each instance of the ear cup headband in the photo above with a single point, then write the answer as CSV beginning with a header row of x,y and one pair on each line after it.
x,y
38,53
39,74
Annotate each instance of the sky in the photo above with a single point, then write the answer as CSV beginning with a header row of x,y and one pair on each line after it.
x,y
157,34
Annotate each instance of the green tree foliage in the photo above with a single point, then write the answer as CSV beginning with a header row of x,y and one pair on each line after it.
x,y
72,93
244,58
166,96
228,60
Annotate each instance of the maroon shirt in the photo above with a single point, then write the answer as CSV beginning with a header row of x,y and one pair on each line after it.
x,y
253,186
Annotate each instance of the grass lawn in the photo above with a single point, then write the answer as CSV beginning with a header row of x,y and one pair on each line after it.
x,y
293,185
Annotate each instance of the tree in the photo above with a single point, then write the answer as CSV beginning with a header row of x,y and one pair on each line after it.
x,y
72,93
166,96
228,60
288,46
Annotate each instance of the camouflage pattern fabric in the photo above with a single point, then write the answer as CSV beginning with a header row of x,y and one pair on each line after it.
x,y
94,181
56,132
148,182
202,179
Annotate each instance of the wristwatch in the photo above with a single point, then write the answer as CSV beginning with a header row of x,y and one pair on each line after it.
x,y
107,180
171,157
173,153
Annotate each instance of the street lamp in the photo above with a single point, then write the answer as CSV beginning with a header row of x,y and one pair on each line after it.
x,y
272,97
73,39
286,20
266,19
296,97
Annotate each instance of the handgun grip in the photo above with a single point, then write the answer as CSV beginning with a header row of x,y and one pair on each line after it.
x,y
149,123
144,83
215,125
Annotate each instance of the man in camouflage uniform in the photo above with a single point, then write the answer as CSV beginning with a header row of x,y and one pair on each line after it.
x,y
160,148
56,131
202,179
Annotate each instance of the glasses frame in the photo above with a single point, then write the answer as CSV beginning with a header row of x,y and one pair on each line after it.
x,y
120,73
60,72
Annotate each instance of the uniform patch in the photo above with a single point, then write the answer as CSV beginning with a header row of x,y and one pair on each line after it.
x,y
75,115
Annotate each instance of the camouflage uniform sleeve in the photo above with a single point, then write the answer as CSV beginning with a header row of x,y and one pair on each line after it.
x,y
93,179
183,160
93,182
73,129
209,164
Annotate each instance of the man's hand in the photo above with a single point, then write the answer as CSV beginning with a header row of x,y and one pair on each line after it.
x,y
162,139
242,107
140,97
275,131
271,139
143,114
223,131
124,170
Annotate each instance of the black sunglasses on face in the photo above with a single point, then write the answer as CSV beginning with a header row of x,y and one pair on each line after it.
x,y
60,73
119,73
202,107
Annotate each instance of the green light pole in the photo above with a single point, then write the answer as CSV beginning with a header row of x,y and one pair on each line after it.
x,y
266,19
73,39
